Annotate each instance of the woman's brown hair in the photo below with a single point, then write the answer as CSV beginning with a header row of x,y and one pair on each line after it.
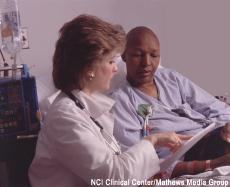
x,y
83,41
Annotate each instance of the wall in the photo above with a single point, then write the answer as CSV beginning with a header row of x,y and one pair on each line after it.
x,y
198,41
194,34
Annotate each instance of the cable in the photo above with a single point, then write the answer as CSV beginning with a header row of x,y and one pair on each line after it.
x,y
6,72
3,58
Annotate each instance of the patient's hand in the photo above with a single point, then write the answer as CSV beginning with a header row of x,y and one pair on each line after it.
x,y
170,140
225,132
221,161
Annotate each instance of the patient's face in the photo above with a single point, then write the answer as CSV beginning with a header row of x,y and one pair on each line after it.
x,y
142,58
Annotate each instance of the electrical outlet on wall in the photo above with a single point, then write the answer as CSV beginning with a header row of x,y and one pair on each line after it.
x,y
24,38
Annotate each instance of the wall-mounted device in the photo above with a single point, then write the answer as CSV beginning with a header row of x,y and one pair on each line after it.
x,y
18,104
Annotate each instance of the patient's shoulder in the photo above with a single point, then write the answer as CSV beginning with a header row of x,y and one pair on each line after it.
x,y
122,93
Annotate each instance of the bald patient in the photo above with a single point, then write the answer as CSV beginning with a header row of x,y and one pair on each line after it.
x,y
177,105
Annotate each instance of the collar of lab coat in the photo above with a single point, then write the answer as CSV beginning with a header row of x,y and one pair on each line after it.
x,y
96,104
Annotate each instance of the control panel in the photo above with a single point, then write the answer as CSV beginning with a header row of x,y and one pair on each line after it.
x,y
18,106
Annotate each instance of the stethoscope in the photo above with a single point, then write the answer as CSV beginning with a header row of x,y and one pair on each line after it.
x,y
110,141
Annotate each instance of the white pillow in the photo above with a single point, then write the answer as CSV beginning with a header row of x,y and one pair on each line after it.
x,y
46,103
119,78
45,87
46,92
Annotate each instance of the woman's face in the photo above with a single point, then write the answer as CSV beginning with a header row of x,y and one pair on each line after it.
x,y
103,73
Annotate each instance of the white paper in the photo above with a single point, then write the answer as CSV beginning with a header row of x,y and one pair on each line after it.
x,y
166,163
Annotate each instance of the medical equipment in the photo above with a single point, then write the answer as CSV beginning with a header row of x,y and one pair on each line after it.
x,y
10,30
18,104
146,111
110,141
149,113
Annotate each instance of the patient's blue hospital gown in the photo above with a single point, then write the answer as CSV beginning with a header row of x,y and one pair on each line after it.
x,y
182,107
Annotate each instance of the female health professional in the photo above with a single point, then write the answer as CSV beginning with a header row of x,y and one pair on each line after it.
x,y
76,146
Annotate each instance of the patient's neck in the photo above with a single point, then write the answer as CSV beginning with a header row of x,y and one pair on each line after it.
x,y
149,88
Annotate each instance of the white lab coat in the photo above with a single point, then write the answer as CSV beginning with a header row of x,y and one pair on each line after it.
x,y
71,150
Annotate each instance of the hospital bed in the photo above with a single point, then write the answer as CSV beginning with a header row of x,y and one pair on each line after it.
x,y
47,93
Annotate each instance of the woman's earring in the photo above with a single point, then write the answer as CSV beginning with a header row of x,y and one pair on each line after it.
x,y
91,76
